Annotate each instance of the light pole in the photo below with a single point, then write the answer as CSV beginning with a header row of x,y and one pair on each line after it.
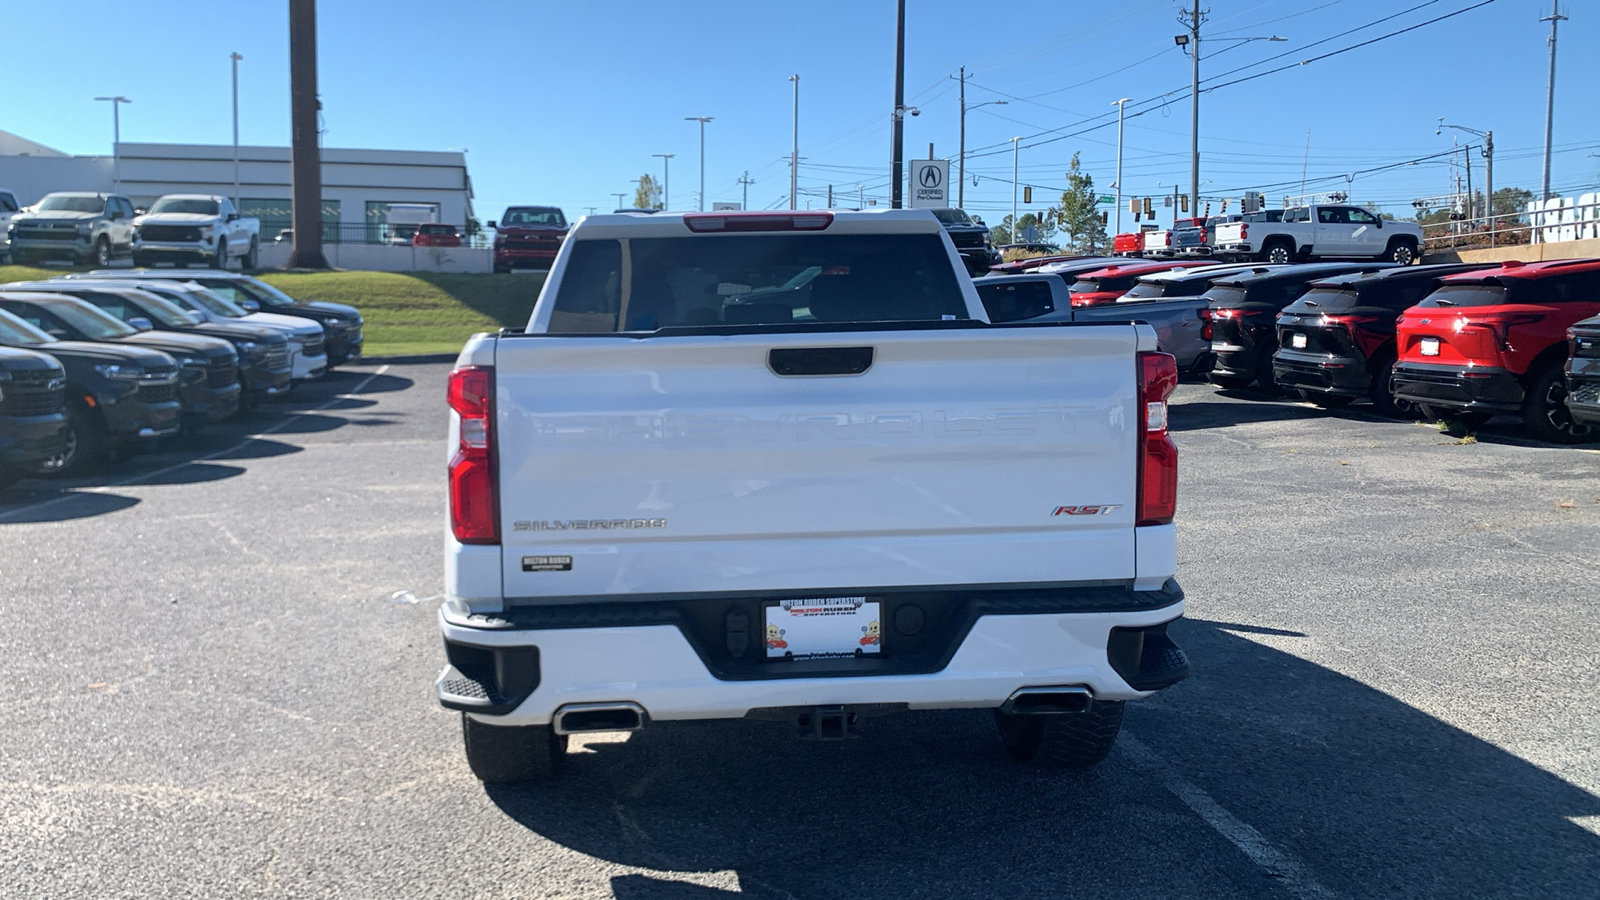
x,y
116,138
897,129
235,57
794,153
1119,105
619,199
1488,171
666,179
1554,19
1014,147
961,165
701,203
1191,45
745,180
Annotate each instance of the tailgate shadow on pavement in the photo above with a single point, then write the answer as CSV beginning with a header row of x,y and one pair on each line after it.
x,y
1373,796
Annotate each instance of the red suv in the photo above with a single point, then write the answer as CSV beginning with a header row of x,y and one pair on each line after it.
x,y
1106,285
436,235
1495,341
528,237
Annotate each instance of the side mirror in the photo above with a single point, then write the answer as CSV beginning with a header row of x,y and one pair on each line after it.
x,y
250,306
139,210
491,224
1380,223
233,217
194,316
139,323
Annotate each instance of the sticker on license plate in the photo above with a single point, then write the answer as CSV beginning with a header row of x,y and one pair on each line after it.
x,y
1430,346
1297,341
823,628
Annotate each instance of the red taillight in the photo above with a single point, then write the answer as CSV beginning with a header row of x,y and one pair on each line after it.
x,y
1244,231
757,221
474,518
1169,239
1204,313
1158,456
1502,323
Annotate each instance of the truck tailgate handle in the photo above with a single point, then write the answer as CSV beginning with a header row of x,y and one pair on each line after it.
x,y
819,360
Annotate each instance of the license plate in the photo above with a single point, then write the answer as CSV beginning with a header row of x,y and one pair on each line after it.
x,y
823,628
1297,341
1430,346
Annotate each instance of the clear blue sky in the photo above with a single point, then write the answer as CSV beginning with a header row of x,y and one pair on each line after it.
x,y
564,103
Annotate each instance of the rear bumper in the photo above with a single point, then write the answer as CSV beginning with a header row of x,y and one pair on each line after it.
x,y
1343,376
527,664
1583,390
1465,388
27,440
1234,360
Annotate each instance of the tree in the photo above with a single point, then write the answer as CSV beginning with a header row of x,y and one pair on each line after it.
x,y
1077,214
1044,228
648,196
1509,201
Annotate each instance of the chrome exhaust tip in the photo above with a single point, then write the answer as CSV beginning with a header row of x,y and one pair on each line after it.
x,y
1048,701
580,718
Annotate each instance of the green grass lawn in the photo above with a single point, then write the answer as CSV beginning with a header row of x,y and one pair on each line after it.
x,y
407,313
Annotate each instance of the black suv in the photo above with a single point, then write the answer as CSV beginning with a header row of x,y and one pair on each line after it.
x,y
1583,372
1337,342
264,367
33,420
341,324
208,380
971,239
1242,310
117,396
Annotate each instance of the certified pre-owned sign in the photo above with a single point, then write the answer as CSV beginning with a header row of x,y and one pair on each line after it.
x,y
930,183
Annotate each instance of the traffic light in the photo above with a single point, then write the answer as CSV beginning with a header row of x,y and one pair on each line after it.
x,y
1027,193
1105,218
1149,209
1224,205
1183,203
1133,205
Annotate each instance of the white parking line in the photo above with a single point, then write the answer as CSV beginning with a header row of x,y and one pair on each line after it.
x,y
1285,869
135,479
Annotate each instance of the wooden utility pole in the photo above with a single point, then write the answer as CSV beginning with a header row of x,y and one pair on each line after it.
x,y
306,158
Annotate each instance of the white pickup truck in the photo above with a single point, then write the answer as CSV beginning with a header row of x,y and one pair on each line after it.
x,y
1308,233
195,228
779,466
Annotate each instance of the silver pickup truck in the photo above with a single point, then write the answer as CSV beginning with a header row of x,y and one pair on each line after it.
x,y
1170,302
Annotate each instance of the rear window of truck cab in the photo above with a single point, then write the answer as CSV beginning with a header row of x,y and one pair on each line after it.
x,y
647,284
1013,301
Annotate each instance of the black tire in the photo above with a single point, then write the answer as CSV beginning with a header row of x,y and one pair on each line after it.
x,y
1402,251
219,259
1381,393
507,754
1278,252
86,446
252,258
1544,408
102,252
1326,401
1073,741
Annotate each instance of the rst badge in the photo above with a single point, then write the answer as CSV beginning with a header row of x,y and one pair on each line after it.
x,y
1103,509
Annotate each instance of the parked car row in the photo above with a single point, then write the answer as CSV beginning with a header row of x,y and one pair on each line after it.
x,y
91,227
1462,341
1297,234
98,365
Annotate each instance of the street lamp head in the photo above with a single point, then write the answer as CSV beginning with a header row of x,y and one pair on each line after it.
x,y
1277,39
1122,101
1182,40
235,56
701,119
118,99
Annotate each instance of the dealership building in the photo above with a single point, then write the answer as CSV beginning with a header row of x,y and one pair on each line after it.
x,y
357,185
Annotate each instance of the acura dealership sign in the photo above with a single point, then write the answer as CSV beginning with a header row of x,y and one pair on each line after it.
x,y
930,183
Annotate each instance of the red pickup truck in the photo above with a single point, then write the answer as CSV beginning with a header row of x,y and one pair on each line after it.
x,y
527,237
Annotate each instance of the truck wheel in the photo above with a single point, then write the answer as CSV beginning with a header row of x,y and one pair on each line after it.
x,y
252,259
1073,741
102,252
85,446
219,259
504,754
1278,253
1402,251
1544,411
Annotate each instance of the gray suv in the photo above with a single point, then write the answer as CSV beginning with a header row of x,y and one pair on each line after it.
x,y
79,226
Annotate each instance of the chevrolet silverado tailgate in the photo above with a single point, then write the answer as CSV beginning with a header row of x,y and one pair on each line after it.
x,y
709,463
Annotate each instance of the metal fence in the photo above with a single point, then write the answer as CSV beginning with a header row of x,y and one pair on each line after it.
x,y
1506,229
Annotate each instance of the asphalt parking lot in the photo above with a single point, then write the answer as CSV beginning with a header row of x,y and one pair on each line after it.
x,y
214,695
